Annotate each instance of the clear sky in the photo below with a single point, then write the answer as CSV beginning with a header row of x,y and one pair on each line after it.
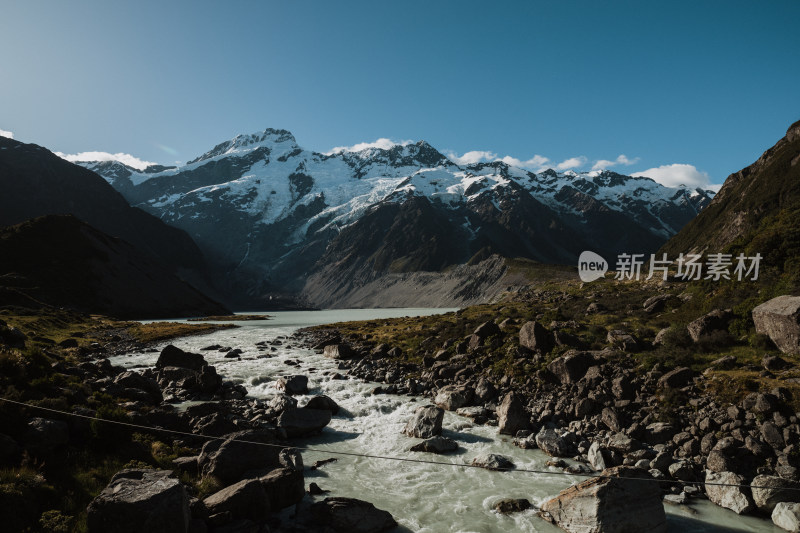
x,y
701,83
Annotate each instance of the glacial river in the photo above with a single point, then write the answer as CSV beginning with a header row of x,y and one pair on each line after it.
x,y
422,497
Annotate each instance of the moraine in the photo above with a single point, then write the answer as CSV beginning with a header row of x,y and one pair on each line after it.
x,y
421,497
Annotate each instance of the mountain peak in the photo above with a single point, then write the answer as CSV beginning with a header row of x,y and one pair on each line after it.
x,y
248,142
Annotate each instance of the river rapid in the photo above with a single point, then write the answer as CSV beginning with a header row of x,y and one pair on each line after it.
x,y
421,497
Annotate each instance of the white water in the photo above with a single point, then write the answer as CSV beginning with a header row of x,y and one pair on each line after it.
x,y
421,497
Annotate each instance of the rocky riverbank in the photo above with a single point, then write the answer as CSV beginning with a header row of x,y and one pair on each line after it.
x,y
93,433
595,395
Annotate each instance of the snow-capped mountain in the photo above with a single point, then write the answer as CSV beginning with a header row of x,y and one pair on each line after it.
x,y
274,215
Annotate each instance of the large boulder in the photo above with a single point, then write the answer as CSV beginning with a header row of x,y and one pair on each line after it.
x,y
140,500
348,515
769,491
451,397
322,402
436,445
787,516
493,461
240,452
426,422
511,415
723,489
339,351
780,319
572,366
598,457
675,379
551,443
715,321
283,487
172,356
301,422
44,436
534,336
245,499
134,380
293,385
612,503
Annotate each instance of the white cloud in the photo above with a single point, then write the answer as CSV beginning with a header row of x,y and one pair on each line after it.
x,y
382,143
4,133
677,174
470,158
537,162
125,159
621,159
713,187
572,162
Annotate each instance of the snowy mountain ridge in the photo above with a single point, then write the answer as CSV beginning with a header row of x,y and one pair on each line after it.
x,y
264,208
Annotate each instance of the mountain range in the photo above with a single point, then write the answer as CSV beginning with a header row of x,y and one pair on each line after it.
x,y
278,221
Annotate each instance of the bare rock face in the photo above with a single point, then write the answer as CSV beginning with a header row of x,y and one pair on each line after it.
x,y
511,415
348,515
772,490
426,422
140,500
283,487
737,499
780,319
534,336
787,516
609,504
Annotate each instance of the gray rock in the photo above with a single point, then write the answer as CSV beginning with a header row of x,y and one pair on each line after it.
x,y
322,402
436,445
609,504
534,336
682,471
598,457
787,516
451,397
509,506
426,422
511,415
44,436
780,319
716,320
776,490
553,444
172,356
302,422
283,487
676,499
735,498
140,500
493,461
485,390
348,515
134,380
572,366
339,351
230,459
293,385
245,499
675,379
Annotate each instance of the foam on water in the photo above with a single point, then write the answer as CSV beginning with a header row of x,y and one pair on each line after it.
x,y
422,497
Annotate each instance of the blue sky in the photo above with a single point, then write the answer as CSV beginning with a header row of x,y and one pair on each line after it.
x,y
709,85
